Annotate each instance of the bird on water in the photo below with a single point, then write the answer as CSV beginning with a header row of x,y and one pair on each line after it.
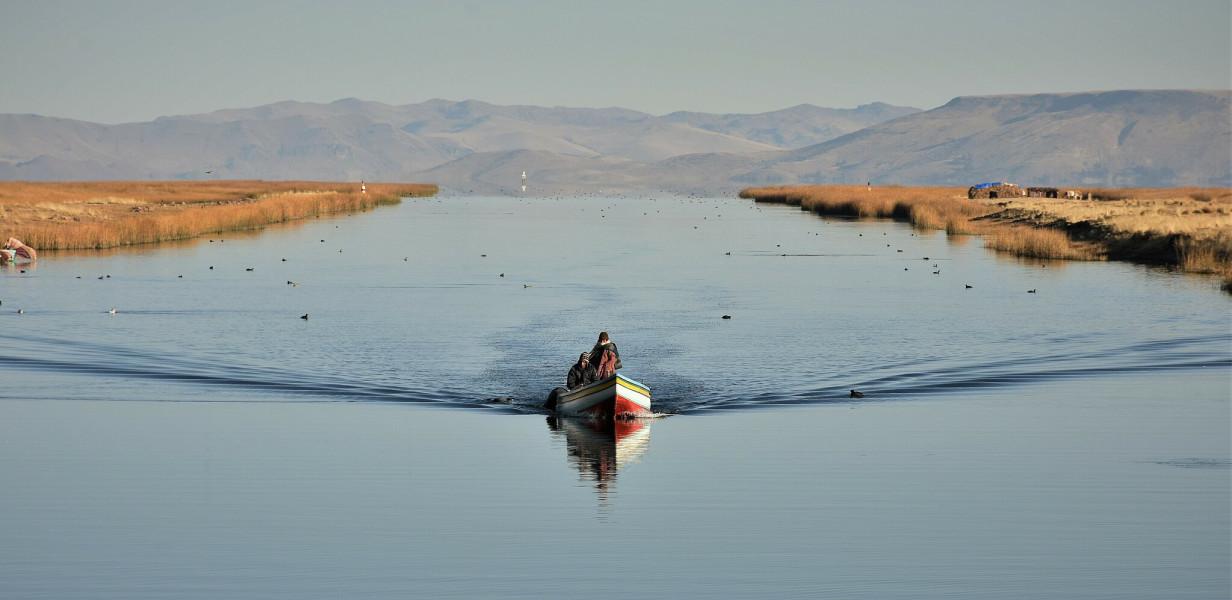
x,y
855,394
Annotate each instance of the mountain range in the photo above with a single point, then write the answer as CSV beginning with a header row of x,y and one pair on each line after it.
x,y
1116,138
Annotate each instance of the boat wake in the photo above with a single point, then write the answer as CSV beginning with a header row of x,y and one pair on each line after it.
x,y
209,380
125,372
920,378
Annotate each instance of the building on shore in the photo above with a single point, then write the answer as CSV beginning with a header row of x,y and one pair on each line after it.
x,y
995,189
1043,192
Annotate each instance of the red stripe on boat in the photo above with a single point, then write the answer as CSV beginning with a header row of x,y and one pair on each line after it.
x,y
625,406
620,407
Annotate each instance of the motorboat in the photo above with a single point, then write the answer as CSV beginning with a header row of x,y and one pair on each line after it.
x,y
614,397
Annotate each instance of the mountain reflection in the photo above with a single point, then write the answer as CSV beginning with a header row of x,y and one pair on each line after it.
x,y
598,449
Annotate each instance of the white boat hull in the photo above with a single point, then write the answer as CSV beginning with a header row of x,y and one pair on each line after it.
x,y
616,397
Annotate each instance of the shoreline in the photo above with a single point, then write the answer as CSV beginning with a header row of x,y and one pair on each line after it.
x,y
52,216
1186,229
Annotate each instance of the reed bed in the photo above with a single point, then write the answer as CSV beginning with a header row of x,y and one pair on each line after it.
x,y
76,215
1206,255
1190,228
1193,193
1037,243
924,207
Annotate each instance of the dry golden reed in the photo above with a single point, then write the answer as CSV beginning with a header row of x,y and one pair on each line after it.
x,y
1195,193
73,215
1037,243
923,207
1207,255
1188,227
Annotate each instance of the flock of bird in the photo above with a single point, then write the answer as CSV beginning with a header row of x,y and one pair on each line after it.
x,y
690,198
113,310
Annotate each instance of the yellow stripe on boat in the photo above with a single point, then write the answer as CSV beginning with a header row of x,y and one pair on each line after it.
x,y
624,382
597,388
633,385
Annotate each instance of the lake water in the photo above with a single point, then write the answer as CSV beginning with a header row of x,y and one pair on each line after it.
x,y
206,442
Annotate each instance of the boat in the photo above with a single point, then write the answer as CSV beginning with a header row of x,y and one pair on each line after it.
x,y
614,397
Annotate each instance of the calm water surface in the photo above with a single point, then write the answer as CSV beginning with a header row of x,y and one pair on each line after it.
x,y
207,442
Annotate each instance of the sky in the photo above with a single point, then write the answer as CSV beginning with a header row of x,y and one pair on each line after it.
x,y
136,60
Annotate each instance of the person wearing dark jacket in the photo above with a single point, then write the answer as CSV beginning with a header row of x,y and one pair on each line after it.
x,y
581,373
604,343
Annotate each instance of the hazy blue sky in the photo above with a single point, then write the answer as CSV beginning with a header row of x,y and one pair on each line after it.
x,y
123,61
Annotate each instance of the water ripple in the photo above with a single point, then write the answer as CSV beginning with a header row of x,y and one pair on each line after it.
x,y
892,380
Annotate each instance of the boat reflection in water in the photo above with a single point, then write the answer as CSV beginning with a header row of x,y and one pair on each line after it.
x,y
598,448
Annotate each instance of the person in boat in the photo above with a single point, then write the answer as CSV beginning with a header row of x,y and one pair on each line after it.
x,y
605,356
581,373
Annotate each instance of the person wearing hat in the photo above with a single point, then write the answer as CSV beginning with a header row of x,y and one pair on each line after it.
x,y
581,373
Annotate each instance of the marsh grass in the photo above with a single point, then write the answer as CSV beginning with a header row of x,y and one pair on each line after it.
x,y
923,207
1187,227
958,226
77,215
1195,193
1037,243
1208,255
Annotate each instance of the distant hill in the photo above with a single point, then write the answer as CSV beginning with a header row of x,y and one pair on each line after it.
x,y
356,139
1150,138
795,127
551,173
1121,138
